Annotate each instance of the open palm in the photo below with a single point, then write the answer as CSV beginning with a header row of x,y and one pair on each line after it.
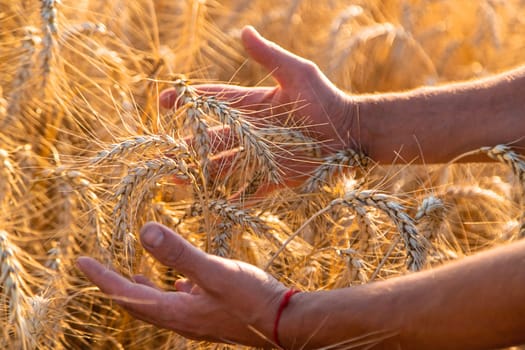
x,y
303,97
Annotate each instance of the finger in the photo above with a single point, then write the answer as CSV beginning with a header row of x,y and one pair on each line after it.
x,y
141,279
246,98
184,285
286,67
137,297
174,251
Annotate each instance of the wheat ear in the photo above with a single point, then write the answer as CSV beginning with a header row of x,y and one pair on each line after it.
x,y
138,179
15,290
23,74
229,215
43,321
48,13
414,243
333,165
430,216
506,155
251,138
141,145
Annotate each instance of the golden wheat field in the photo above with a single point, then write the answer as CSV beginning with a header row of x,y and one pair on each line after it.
x,y
88,156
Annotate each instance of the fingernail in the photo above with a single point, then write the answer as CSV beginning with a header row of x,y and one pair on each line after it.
x,y
152,237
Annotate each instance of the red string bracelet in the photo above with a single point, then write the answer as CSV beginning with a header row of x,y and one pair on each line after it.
x,y
282,306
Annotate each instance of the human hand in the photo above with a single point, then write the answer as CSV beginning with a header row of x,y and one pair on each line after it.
x,y
221,300
304,96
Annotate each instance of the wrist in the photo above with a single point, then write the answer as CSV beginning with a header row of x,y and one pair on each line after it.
x,y
313,320
353,124
292,327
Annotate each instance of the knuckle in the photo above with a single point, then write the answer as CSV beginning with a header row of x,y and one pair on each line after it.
x,y
175,257
309,67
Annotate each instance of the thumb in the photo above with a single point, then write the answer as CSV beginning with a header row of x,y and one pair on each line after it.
x,y
174,251
285,66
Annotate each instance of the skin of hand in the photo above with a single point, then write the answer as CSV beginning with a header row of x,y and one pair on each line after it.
x,y
221,300
475,303
303,97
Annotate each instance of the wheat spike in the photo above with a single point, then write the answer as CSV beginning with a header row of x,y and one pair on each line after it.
x,y
23,74
355,268
141,145
48,13
43,321
15,291
506,155
229,214
221,239
137,184
334,165
414,243
430,216
251,139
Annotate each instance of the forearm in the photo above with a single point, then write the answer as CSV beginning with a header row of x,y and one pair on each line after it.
x,y
476,303
435,125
